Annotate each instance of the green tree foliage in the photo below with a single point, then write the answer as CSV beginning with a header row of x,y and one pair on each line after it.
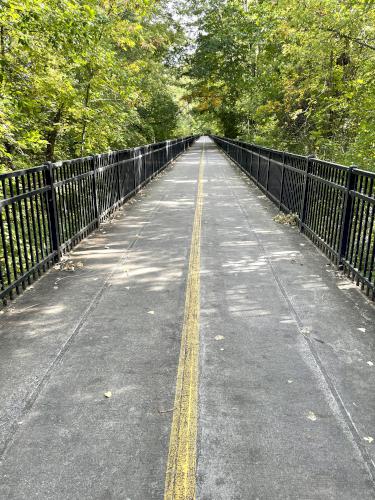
x,y
289,74
82,76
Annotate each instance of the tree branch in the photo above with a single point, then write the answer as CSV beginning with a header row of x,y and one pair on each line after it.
x,y
351,38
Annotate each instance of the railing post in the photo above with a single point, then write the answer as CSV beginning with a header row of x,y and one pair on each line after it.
x,y
346,216
52,211
118,176
303,208
134,170
167,151
268,169
95,188
282,182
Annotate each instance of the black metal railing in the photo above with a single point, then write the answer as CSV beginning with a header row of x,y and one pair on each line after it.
x,y
335,205
46,210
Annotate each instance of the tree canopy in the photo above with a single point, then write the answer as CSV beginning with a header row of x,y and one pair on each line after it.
x,y
79,77
290,74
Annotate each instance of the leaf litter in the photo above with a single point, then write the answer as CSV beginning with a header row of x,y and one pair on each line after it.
x,y
311,416
286,219
67,264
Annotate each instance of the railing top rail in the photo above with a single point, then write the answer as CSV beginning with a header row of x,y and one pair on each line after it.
x,y
18,173
365,173
234,141
359,171
60,163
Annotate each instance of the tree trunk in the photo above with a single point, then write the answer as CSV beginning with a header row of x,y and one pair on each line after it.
x,y
52,135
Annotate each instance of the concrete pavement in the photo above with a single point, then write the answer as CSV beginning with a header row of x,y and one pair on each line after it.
x,y
286,405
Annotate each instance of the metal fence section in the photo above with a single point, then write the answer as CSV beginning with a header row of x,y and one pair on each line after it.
x,y
47,210
335,205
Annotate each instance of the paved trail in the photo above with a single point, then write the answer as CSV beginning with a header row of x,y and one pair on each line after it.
x,y
239,363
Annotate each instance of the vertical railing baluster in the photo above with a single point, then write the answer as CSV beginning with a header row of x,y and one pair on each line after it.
x,y
268,170
95,189
257,177
52,211
346,218
282,182
303,208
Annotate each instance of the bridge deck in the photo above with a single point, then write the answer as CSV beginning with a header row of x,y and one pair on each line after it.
x,y
286,380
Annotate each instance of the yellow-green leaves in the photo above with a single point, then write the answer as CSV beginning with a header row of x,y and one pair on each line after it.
x,y
81,76
290,74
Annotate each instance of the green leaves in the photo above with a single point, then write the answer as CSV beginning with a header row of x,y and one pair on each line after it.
x,y
290,74
81,76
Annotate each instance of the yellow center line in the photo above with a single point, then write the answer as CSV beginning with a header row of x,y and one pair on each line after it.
x,y
181,466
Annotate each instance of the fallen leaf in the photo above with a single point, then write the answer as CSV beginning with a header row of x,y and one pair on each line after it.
x,y
219,337
311,416
369,439
287,219
108,394
166,411
362,330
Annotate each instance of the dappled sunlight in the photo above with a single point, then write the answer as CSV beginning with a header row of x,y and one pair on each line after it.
x,y
187,181
244,265
288,321
267,231
23,353
248,311
56,309
346,285
313,285
287,254
240,243
178,204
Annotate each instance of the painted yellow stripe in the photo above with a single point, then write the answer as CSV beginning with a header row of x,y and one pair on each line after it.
x,y
181,465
